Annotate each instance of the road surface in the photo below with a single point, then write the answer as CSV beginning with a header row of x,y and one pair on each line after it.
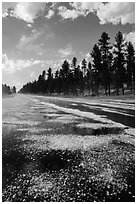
x,y
68,149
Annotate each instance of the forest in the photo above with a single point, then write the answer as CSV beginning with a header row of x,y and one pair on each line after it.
x,y
112,71
8,90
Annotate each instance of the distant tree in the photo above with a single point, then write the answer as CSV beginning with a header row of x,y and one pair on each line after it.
x,y
57,82
65,68
77,79
119,60
65,74
84,70
50,80
89,77
6,89
43,74
14,89
84,66
74,62
41,82
74,75
130,60
81,82
97,65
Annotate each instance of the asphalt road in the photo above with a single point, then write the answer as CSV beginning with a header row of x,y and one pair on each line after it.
x,y
68,149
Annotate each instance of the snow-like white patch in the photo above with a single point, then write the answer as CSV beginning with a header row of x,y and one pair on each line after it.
x,y
88,115
130,131
115,111
35,100
65,119
22,129
51,115
63,142
126,138
124,103
96,126
49,110
71,142
115,105
34,130
74,104
22,122
36,107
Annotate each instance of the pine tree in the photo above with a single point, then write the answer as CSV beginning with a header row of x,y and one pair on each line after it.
x,y
97,65
73,76
119,60
130,60
50,80
89,73
84,66
105,47
74,62
65,74
14,89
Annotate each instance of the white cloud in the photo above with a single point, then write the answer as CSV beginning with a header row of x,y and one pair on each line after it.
x,y
66,52
130,37
86,6
116,12
88,57
111,12
68,13
54,64
26,11
28,42
50,14
32,43
33,75
11,65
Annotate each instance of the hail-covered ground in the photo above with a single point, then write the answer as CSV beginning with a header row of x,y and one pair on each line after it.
x,y
68,149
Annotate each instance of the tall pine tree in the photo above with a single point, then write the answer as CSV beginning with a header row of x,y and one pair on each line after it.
x,y
105,47
130,60
119,61
97,65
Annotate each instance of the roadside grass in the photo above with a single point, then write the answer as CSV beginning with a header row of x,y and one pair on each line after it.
x,y
101,173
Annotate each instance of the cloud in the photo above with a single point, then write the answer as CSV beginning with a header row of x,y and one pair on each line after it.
x,y
66,52
117,12
54,64
33,42
88,57
86,6
33,75
130,37
27,11
50,14
111,12
68,13
11,66
28,42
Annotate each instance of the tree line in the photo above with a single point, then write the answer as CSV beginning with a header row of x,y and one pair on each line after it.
x,y
7,89
112,70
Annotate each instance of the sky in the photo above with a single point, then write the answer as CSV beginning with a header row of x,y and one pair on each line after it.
x,y
39,35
